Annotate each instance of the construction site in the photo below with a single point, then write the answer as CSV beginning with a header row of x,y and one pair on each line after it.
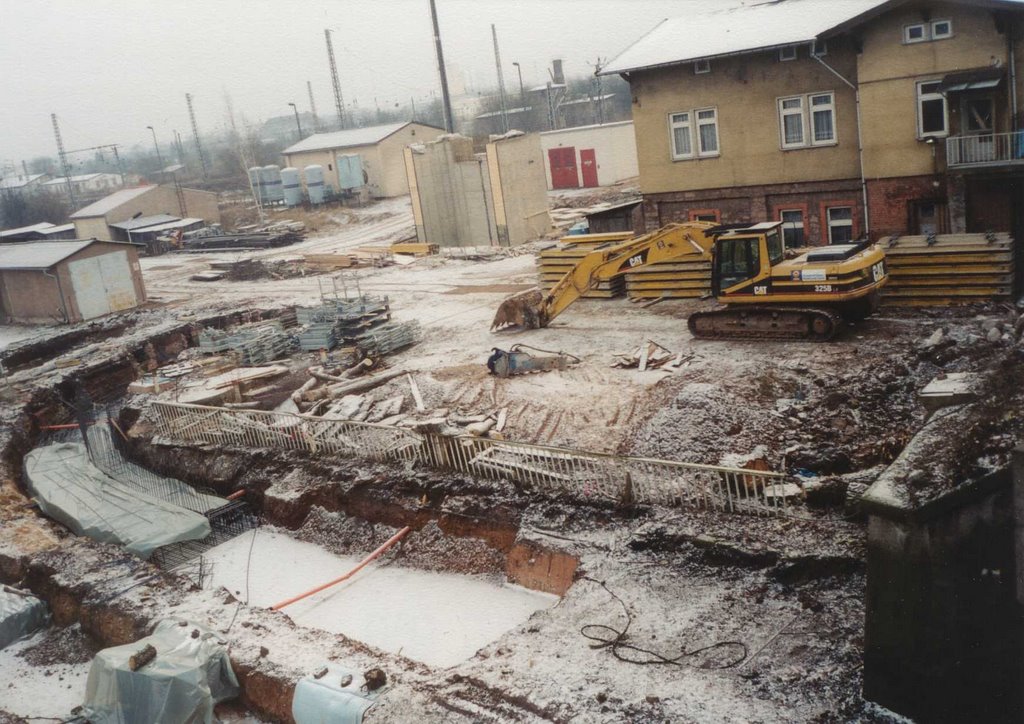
x,y
617,521
690,416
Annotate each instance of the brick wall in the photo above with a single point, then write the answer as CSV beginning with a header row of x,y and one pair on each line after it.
x,y
751,204
889,200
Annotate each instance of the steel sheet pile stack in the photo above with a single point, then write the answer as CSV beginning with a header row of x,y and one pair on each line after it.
x,y
341,321
556,261
242,242
255,344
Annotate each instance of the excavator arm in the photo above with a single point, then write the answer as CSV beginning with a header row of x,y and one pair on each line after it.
x,y
533,308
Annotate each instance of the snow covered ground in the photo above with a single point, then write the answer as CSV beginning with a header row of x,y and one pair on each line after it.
x,y
436,618
43,692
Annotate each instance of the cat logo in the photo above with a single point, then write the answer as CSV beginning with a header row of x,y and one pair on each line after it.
x,y
760,291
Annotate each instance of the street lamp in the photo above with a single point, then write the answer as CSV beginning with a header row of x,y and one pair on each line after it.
x,y
297,123
522,96
156,145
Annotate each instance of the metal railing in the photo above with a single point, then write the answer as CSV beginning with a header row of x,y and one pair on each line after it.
x,y
986,149
597,477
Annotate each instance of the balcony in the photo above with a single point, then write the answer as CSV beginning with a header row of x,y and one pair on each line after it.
x,y
985,149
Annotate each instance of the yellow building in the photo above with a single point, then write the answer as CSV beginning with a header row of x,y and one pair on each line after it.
x,y
842,118
380,152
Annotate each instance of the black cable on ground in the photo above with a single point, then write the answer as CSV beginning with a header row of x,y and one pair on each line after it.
x,y
611,638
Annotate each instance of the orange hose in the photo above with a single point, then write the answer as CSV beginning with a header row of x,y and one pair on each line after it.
x,y
366,561
237,494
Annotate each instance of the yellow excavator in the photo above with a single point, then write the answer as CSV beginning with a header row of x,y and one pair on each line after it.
x,y
766,295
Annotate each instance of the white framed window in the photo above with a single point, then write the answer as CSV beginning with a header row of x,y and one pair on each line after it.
x,y
840,224
787,53
823,118
808,120
693,134
701,66
792,227
791,122
707,132
942,29
932,110
916,33
682,135
819,48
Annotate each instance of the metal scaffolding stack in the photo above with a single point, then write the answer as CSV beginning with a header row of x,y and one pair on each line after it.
x,y
340,321
255,344
389,338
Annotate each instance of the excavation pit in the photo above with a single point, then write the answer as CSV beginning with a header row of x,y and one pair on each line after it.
x,y
435,618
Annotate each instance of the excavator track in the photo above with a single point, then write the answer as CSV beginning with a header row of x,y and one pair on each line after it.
x,y
809,324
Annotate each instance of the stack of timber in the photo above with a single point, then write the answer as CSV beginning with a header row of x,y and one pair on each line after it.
x,y
242,242
557,260
948,269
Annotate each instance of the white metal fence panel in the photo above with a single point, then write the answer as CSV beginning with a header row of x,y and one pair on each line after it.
x,y
547,470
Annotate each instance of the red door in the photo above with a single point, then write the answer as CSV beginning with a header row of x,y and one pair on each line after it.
x,y
588,160
563,168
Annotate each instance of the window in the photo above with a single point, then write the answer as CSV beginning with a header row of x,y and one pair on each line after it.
x,y
942,29
702,66
916,33
931,110
840,224
681,144
694,133
787,53
819,49
705,215
923,32
792,227
707,132
791,111
823,118
776,252
816,111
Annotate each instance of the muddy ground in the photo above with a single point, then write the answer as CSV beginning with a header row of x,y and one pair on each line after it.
x,y
778,600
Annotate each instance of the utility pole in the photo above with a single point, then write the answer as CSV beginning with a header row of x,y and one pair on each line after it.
x,y
501,81
298,124
312,107
446,101
159,158
522,94
195,134
339,102
600,92
65,167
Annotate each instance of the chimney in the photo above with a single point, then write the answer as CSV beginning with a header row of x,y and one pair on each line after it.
x,y
557,76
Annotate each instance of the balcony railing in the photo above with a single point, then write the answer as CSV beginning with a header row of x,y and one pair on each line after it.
x,y
986,149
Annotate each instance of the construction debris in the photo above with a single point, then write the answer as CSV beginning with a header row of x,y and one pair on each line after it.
x,y
649,355
254,344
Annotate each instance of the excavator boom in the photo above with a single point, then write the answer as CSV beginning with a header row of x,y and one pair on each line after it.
x,y
533,308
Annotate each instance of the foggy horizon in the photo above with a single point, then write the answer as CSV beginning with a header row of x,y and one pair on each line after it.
x,y
109,69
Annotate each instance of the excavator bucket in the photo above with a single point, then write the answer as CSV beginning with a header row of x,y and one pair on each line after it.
x,y
522,310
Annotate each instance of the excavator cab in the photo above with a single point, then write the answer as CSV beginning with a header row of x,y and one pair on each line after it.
x,y
743,258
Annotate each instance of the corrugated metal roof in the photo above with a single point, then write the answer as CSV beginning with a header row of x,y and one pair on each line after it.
x,y
176,224
111,202
142,222
346,139
40,254
58,229
728,31
26,229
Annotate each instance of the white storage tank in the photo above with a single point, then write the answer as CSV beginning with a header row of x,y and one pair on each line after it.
x,y
256,179
272,184
292,186
314,183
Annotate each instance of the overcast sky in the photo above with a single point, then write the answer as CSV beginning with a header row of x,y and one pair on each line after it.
x,y
109,68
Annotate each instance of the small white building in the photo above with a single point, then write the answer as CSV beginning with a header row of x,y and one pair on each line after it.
x,y
589,156
376,150
86,183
